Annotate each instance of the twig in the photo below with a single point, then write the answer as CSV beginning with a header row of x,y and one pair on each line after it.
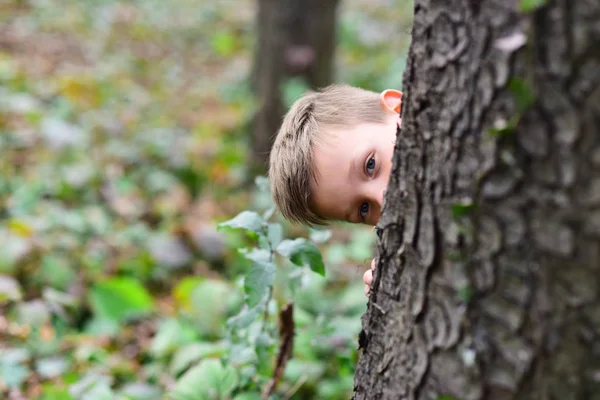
x,y
296,387
286,345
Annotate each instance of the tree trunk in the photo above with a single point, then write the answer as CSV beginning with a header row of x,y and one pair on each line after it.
x,y
295,38
488,281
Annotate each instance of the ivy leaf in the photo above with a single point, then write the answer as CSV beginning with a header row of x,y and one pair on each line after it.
x,y
258,282
120,298
209,379
302,252
248,220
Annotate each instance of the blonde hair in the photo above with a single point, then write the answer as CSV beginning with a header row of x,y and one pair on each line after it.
x,y
291,164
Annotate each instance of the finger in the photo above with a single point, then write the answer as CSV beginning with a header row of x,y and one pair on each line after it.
x,y
373,263
368,277
367,290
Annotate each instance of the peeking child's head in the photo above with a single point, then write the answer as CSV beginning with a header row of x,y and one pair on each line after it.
x,y
332,156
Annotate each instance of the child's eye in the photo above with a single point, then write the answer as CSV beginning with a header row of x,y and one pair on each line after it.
x,y
364,210
370,166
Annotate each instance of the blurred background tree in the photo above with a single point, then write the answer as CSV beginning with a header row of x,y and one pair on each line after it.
x,y
125,137
296,39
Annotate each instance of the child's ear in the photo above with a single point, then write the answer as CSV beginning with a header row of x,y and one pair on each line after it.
x,y
391,100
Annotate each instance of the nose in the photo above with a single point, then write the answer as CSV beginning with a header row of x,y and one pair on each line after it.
x,y
380,193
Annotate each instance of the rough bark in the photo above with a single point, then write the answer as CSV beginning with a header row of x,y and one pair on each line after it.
x,y
488,281
295,38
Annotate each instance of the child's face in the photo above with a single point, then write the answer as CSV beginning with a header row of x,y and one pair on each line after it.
x,y
353,168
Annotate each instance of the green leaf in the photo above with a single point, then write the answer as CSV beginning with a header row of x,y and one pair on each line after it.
x,y
241,354
528,6
207,380
13,375
15,355
182,292
258,282
51,367
223,43
503,128
257,255
100,391
56,271
194,352
244,319
524,95
102,326
302,252
320,235
55,393
140,391
248,396
210,306
191,178
9,289
465,293
248,220
275,234
170,336
118,299
311,369
462,208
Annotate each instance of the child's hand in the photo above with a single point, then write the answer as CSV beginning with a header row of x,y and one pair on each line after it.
x,y
368,278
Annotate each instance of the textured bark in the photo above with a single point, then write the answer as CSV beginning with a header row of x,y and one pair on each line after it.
x,y
488,281
296,38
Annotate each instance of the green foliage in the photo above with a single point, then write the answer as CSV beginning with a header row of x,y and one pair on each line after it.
x,y
462,209
528,6
302,252
120,298
248,220
503,128
524,95
258,282
207,380
465,294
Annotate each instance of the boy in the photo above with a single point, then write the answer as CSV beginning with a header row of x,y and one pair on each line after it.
x,y
332,157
